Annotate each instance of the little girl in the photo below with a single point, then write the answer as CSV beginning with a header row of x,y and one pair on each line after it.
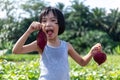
x,y
54,61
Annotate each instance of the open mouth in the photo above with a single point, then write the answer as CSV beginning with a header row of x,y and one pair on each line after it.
x,y
49,32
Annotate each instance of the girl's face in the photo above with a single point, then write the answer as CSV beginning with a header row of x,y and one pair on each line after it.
x,y
51,26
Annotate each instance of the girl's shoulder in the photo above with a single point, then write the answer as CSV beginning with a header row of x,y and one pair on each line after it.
x,y
69,45
65,42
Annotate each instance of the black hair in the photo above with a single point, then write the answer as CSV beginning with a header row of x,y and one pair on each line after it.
x,y
58,14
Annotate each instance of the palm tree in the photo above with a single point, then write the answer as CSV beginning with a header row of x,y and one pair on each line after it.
x,y
60,6
108,23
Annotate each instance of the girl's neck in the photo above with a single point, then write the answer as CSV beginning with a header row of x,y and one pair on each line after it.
x,y
54,42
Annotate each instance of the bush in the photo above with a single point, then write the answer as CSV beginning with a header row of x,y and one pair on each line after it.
x,y
19,70
87,40
29,70
20,57
6,46
116,50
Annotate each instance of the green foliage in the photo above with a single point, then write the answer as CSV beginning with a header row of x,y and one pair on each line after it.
x,y
20,57
20,70
12,27
33,9
84,42
6,46
78,18
60,6
29,69
110,70
80,22
23,26
109,23
116,50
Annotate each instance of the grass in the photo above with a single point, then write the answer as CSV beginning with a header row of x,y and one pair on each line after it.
x,y
26,67
110,70
20,57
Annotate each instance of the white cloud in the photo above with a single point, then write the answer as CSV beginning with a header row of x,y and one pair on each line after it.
x,y
2,14
54,2
107,4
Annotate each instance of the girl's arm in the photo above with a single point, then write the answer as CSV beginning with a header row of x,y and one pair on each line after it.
x,y
19,47
83,60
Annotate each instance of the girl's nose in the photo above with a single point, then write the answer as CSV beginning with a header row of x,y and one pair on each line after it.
x,y
48,24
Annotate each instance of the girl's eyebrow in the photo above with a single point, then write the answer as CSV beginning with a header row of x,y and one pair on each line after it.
x,y
50,18
53,18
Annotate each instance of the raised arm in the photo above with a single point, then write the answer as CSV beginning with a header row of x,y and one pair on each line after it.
x,y
20,46
83,60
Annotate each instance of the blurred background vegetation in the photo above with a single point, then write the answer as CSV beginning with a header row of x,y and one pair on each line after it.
x,y
84,26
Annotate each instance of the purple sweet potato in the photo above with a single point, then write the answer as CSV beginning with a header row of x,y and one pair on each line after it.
x,y
41,40
100,57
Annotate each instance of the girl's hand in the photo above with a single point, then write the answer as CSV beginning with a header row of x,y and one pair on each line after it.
x,y
96,48
34,26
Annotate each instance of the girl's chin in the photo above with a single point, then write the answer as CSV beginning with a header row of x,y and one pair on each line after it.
x,y
50,37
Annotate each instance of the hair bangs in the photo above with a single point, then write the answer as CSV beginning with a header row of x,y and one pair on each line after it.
x,y
46,12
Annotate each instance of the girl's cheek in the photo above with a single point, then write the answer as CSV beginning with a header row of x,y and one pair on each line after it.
x,y
43,29
56,23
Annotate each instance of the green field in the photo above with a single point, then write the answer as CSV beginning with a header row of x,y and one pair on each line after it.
x,y
26,67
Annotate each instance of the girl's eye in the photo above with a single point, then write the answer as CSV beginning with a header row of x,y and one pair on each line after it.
x,y
53,20
44,21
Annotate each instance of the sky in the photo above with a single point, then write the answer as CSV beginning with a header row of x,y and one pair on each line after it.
x,y
107,4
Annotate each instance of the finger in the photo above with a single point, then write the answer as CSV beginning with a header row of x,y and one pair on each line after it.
x,y
39,26
43,25
98,45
